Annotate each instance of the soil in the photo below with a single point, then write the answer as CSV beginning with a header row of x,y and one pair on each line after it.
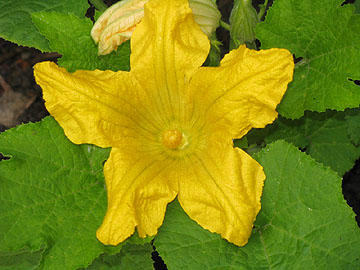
x,y
17,82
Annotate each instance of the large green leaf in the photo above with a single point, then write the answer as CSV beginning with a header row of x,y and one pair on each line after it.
x,y
52,196
304,223
16,25
131,257
326,36
357,6
330,137
70,36
353,127
22,259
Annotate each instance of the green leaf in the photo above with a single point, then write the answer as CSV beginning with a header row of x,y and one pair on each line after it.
x,y
15,20
353,127
52,195
213,59
357,6
304,223
241,143
323,135
326,36
22,259
70,36
131,257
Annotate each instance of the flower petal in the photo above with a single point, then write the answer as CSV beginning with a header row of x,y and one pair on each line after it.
x,y
138,194
222,192
244,91
94,106
167,47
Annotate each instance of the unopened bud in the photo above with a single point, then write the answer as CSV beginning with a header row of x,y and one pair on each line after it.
x,y
117,23
206,15
243,20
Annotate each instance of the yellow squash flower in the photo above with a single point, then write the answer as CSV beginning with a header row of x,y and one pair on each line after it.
x,y
118,22
170,123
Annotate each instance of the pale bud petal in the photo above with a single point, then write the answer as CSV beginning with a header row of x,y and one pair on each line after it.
x,y
206,15
117,23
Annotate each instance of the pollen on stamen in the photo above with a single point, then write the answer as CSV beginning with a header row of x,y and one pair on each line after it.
x,y
172,138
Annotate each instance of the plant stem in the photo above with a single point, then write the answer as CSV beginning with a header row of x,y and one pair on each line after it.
x,y
99,5
262,9
225,25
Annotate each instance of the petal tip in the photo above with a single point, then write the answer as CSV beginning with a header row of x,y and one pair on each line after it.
x,y
113,238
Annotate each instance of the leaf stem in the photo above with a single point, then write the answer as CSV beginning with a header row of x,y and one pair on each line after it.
x,y
225,25
262,9
99,5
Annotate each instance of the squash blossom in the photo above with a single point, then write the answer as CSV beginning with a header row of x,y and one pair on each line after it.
x,y
117,23
170,123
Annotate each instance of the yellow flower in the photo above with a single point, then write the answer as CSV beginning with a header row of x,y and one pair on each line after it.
x,y
170,123
117,23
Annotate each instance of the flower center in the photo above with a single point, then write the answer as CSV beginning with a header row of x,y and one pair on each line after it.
x,y
172,138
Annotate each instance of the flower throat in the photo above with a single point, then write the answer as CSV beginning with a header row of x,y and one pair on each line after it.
x,y
172,138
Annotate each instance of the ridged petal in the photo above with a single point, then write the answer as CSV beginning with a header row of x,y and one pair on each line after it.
x,y
167,47
95,107
138,194
222,192
244,91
